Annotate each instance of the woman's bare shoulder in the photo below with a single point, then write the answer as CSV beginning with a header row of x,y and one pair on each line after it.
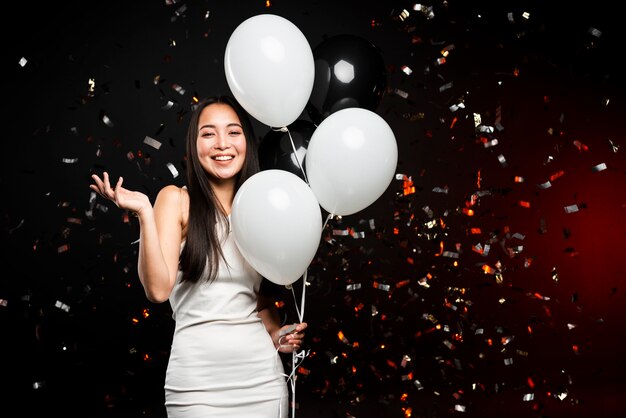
x,y
175,199
171,196
173,192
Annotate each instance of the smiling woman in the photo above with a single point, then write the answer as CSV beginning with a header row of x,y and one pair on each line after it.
x,y
221,145
467,286
224,355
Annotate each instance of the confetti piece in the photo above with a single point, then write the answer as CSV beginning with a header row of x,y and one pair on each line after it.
x,y
555,275
172,169
62,306
456,107
488,270
353,286
69,160
181,10
404,14
557,175
107,121
545,185
381,286
580,146
571,209
446,86
477,120
446,51
448,344
39,385
401,93
502,160
102,208
178,88
22,62
450,254
491,143
4,302
599,167
595,32
152,142
92,87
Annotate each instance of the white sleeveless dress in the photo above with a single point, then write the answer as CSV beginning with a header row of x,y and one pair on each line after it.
x,y
222,361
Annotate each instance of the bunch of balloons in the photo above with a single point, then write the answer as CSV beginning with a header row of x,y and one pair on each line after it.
x,y
341,162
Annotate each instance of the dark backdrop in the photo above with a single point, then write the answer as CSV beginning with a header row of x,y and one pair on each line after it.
x,y
421,309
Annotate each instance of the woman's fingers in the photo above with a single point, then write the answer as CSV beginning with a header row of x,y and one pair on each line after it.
x,y
103,186
107,186
295,340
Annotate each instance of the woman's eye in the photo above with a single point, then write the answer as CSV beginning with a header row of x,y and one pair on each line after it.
x,y
235,132
208,134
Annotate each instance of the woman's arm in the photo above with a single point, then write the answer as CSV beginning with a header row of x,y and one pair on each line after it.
x,y
159,244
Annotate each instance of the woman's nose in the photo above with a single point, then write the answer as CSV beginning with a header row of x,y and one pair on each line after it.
x,y
221,142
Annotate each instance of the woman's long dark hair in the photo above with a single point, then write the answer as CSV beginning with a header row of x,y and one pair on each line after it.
x,y
203,243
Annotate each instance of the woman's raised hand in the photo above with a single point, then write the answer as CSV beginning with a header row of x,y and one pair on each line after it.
x,y
123,198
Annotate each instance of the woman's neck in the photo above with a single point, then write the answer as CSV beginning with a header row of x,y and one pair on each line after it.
x,y
225,193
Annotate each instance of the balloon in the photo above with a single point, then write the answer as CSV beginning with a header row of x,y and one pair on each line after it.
x,y
351,160
277,225
269,69
349,72
276,151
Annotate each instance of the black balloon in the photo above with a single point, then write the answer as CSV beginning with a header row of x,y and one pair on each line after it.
x,y
349,72
276,151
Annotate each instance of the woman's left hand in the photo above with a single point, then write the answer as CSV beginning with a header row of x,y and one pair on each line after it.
x,y
289,341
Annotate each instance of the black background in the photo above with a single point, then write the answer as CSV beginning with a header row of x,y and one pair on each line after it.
x,y
79,337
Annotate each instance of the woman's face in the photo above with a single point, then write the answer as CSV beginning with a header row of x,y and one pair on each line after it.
x,y
221,143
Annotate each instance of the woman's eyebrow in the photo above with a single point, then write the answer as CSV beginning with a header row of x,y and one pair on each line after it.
x,y
230,125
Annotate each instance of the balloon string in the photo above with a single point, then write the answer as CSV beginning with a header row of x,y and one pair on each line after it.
x,y
301,310
297,358
328,218
295,153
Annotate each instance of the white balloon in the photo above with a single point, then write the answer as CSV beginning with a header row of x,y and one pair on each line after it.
x,y
270,69
277,224
351,160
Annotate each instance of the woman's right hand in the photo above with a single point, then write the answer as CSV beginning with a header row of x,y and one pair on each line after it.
x,y
123,198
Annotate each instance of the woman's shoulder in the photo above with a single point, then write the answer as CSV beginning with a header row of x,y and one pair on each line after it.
x,y
175,200
171,191
172,195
